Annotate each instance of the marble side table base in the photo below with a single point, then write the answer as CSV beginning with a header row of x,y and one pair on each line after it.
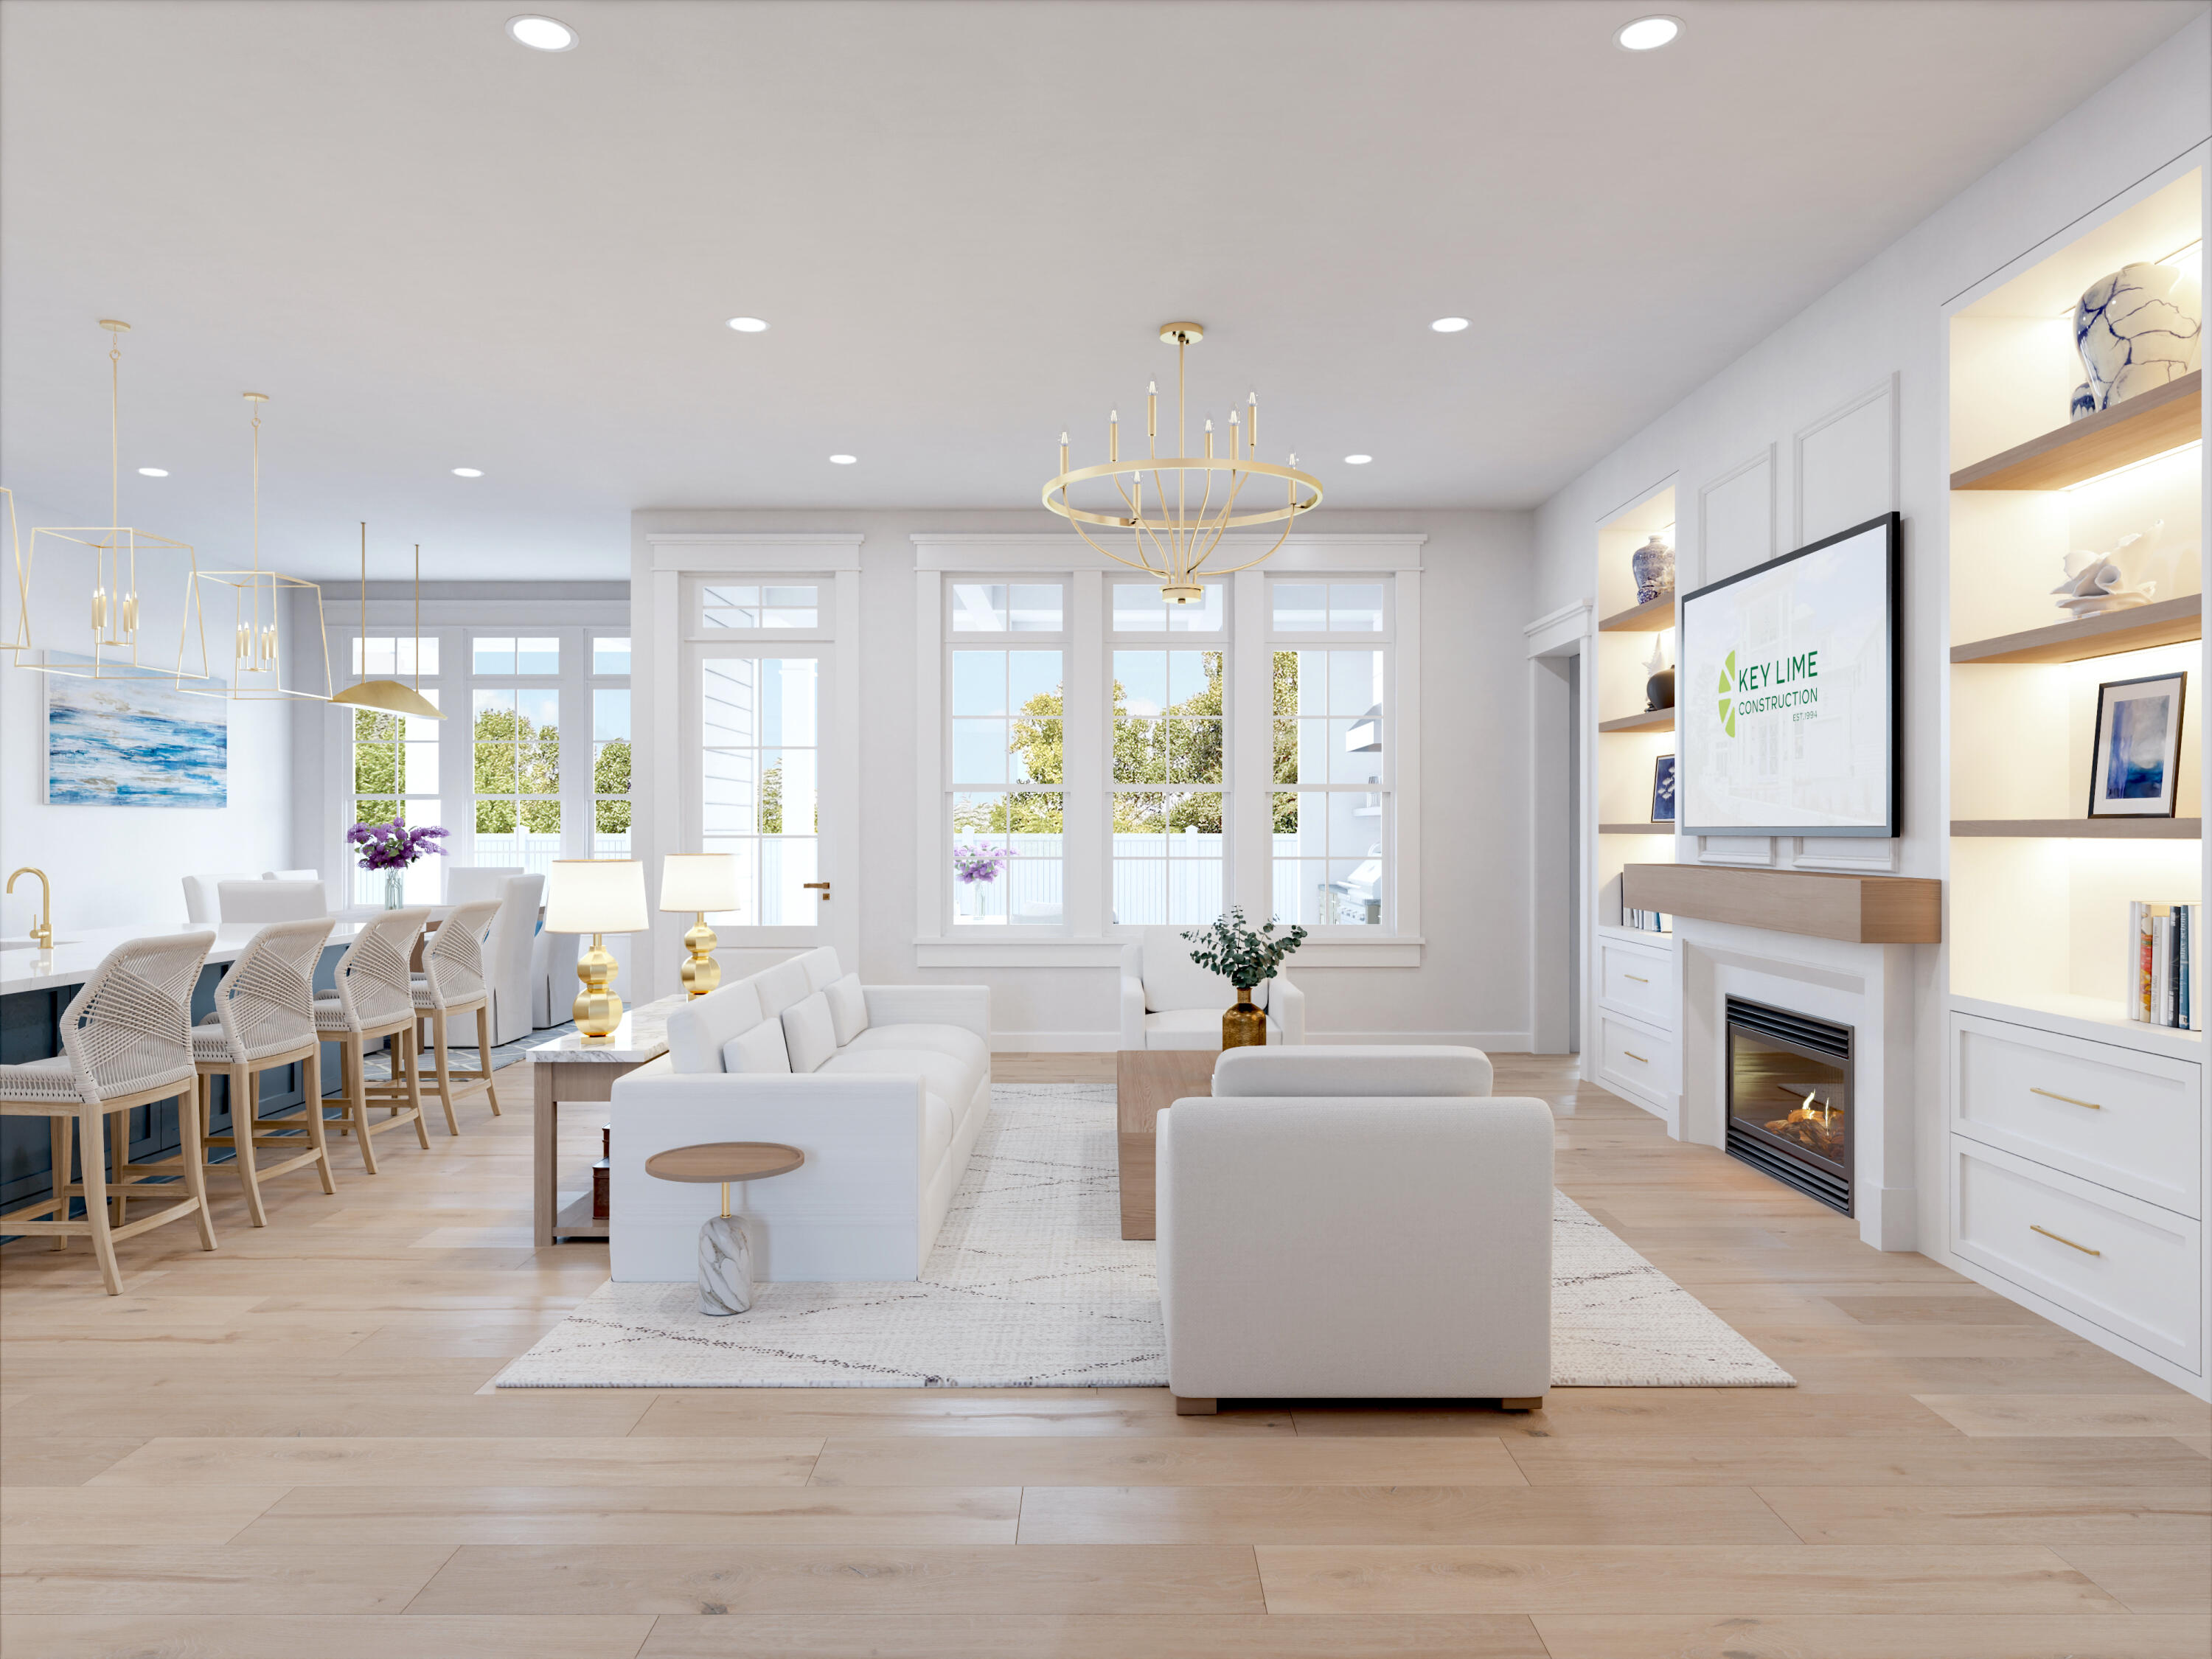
x,y
726,1267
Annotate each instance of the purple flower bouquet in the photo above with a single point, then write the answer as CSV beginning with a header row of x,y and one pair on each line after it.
x,y
392,848
974,863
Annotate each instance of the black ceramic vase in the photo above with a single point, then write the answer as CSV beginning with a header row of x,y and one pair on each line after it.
x,y
1659,690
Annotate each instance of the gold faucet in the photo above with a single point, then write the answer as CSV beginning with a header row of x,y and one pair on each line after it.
x,y
44,932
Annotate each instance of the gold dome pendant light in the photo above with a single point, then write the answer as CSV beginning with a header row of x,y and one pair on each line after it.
x,y
1171,538
389,696
113,607
258,631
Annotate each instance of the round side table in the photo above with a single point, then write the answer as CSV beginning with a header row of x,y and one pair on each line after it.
x,y
726,1267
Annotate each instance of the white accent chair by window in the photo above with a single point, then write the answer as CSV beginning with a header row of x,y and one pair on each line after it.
x,y
515,954
257,902
1169,1001
883,1087
1356,1222
202,901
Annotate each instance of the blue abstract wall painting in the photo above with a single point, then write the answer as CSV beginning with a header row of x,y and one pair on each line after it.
x,y
2137,762
134,743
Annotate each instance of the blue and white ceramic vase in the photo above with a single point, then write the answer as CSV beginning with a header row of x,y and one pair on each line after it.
x,y
1654,568
2137,329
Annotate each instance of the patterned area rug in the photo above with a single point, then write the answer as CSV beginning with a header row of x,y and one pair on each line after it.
x,y
1031,1286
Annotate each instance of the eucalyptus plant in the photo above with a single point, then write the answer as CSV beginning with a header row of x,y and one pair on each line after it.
x,y
1241,953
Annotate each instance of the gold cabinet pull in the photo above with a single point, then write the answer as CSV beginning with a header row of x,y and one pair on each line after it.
x,y
1639,978
1633,1055
2067,1242
2091,1104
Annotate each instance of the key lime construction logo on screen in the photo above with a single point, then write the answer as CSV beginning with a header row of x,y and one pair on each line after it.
x,y
1757,688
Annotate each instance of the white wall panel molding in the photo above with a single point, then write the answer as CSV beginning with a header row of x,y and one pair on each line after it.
x,y
1563,627
769,551
1735,518
1756,852
1845,465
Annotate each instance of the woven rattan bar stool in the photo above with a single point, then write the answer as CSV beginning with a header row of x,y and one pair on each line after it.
x,y
375,998
264,1017
452,982
125,1042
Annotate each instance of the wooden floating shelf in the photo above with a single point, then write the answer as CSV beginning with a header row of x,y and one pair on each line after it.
x,y
2084,829
2164,417
1862,910
1636,830
1651,719
2164,621
1641,619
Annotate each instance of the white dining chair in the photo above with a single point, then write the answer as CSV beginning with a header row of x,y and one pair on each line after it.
x,y
260,902
203,904
264,1017
125,1042
291,875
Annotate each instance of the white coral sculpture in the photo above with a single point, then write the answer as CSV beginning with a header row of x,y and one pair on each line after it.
x,y
2098,582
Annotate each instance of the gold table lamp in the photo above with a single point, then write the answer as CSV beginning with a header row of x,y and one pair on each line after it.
x,y
596,896
698,883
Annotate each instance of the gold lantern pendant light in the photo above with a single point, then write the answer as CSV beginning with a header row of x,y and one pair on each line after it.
x,y
1170,537
391,695
113,605
258,631
20,639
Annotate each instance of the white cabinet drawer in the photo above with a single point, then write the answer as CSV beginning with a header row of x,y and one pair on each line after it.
x,y
2115,1117
1635,1060
1638,982
2125,1266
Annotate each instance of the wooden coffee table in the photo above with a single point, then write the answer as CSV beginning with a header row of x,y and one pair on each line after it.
x,y
1144,1081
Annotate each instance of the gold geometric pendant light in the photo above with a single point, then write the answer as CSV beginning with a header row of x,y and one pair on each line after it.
x,y
111,608
259,632
389,695
20,640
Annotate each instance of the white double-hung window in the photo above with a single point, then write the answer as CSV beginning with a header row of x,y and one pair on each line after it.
x,y
1006,751
1169,746
1333,828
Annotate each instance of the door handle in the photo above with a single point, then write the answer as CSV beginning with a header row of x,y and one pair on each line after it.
x,y
824,886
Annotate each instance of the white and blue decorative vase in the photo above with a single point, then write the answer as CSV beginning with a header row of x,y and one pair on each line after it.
x,y
2138,328
1653,566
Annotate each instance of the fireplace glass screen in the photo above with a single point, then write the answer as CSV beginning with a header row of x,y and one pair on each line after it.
x,y
1789,1099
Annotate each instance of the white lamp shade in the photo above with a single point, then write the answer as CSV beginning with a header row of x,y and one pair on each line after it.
x,y
699,881
595,895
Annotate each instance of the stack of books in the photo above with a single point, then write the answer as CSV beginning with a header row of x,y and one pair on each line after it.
x,y
1648,921
2162,989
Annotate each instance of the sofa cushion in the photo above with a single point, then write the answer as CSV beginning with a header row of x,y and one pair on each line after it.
x,y
759,1050
1192,1028
941,1074
780,986
809,1033
1173,980
821,966
956,1042
848,1008
698,1030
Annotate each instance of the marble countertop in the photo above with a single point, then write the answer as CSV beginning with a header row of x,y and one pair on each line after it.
x,y
642,1035
78,951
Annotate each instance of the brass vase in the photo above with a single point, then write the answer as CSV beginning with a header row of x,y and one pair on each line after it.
x,y
1245,1025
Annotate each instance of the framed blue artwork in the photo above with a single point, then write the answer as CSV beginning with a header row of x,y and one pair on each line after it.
x,y
134,743
1662,790
2136,763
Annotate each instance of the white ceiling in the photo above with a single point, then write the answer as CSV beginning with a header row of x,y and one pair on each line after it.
x,y
434,248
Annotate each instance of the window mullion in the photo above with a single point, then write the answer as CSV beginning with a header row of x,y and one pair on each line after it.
x,y
1084,806
1251,745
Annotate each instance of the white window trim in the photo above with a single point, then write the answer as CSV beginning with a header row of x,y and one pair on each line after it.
x,y
939,554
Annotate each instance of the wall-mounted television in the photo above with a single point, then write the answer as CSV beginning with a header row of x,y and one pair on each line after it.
x,y
1788,693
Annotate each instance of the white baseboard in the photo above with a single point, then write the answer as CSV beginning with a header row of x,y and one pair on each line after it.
x,y
1106,1042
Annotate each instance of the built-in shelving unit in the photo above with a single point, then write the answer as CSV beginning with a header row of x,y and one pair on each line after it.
x,y
1636,829
2039,956
1650,719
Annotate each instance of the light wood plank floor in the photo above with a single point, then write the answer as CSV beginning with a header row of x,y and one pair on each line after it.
x,y
286,1448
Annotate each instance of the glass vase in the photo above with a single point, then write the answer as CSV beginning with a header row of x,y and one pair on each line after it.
x,y
1245,1025
395,888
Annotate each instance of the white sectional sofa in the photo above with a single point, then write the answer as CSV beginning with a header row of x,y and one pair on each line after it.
x,y
1356,1222
883,1087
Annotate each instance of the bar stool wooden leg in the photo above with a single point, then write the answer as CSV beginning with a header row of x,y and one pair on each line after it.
x,y
357,1055
58,1135
483,1055
95,1199
414,1090
242,1102
194,1157
442,1072
318,1134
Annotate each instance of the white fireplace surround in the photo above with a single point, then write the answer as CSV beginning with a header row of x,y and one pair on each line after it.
x,y
1865,986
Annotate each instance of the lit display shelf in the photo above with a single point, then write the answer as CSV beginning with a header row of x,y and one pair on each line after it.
x,y
2084,829
1647,618
2164,417
1651,719
1636,829
2163,622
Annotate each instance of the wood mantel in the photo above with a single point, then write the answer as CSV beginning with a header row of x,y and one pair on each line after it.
x,y
1862,910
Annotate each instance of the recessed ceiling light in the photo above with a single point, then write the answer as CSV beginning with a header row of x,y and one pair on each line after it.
x,y
748,325
1449,324
1647,33
542,34
843,460
468,472
153,471
1358,460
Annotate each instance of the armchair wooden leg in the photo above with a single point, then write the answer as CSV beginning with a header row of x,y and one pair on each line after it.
x,y
1195,1406
1529,1403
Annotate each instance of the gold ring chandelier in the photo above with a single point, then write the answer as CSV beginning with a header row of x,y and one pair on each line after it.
x,y
1172,538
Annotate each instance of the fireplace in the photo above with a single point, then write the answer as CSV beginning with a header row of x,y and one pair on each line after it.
x,y
1789,1099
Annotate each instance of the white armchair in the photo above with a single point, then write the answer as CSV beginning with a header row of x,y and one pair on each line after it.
x,y
1356,1222
1169,1001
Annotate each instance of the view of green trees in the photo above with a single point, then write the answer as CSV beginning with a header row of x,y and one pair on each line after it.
x,y
513,758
